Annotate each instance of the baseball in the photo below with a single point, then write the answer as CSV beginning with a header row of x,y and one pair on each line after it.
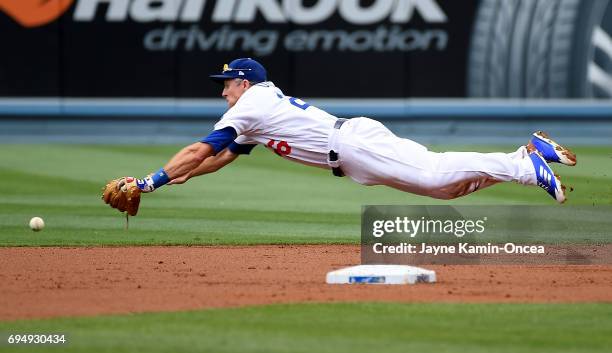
x,y
36,224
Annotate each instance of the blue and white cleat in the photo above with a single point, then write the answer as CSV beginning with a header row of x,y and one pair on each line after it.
x,y
547,179
550,150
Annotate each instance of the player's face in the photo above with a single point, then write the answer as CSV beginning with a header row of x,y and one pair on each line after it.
x,y
233,89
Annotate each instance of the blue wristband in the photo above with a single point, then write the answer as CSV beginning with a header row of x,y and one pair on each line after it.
x,y
150,183
160,178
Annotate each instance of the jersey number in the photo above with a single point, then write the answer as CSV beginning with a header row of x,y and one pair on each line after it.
x,y
299,103
281,148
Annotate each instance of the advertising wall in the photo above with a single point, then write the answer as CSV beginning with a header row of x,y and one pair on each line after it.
x,y
330,48
312,48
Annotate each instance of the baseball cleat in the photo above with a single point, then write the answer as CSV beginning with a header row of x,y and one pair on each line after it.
x,y
547,179
550,150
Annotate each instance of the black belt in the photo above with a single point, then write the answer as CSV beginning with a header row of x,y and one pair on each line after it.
x,y
333,155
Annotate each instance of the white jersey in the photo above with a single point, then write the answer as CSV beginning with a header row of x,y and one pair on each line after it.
x,y
367,151
290,127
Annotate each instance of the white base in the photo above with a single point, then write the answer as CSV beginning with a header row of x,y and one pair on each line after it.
x,y
381,274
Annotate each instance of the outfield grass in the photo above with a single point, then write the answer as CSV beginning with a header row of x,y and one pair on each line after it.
x,y
263,199
337,328
258,199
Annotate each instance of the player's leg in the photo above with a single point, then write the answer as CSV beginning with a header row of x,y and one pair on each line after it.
x,y
449,175
540,150
448,169
372,155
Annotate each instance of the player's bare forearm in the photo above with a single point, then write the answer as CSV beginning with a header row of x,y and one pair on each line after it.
x,y
185,161
214,163
188,159
209,165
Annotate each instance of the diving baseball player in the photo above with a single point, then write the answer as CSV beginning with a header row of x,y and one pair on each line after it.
x,y
361,148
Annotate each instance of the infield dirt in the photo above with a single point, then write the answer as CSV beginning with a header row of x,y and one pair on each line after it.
x,y
51,282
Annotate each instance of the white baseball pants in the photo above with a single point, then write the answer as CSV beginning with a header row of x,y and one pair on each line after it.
x,y
371,154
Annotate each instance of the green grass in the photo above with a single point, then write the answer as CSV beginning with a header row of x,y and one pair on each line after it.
x,y
263,199
258,199
348,327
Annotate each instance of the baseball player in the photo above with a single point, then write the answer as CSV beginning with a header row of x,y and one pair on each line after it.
x,y
360,148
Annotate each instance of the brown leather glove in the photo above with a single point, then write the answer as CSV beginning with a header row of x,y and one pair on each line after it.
x,y
122,194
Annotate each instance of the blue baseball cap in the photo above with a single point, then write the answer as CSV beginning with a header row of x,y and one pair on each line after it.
x,y
245,68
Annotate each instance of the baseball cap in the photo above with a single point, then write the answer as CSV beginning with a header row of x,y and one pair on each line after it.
x,y
245,68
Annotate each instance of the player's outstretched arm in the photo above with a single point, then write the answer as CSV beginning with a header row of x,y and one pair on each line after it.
x,y
188,159
209,165
124,193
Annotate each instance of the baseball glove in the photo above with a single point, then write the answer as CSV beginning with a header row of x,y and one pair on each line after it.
x,y
122,194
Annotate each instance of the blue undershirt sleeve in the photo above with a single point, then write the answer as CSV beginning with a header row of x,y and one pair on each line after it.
x,y
220,139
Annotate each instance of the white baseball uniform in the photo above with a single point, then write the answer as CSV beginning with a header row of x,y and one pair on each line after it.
x,y
368,152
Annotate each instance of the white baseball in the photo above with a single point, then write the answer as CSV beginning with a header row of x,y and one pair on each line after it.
x,y
37,223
